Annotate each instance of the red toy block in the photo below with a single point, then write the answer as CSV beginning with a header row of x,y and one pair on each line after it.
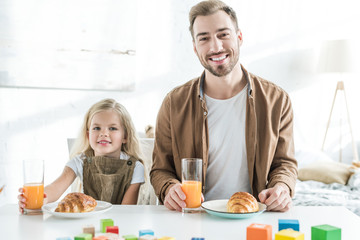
x,y
259,231
112,229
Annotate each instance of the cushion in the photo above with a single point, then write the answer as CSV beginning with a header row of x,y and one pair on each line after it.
x,y
326,172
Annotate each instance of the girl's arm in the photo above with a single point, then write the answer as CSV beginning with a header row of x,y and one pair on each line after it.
x,y
59,186
131,195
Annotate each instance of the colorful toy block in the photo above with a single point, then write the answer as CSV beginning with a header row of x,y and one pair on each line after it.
x,y
113,236
112,229
147,237
197,238
100,238
325,232
83,236
166,238
130,237
289,223
146,232
89,229
289,234
259,231
105,223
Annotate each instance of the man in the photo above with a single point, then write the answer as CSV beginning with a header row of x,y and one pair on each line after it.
x,y
238,123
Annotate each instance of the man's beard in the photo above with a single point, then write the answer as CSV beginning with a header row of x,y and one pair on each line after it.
x,y
222,70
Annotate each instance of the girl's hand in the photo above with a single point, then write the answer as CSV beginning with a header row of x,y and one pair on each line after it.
x,y
22,200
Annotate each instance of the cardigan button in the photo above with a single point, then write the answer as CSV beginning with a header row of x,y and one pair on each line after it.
x,y
205,113
129,163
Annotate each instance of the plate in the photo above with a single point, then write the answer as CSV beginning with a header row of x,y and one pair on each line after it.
x,y
101,207
218,208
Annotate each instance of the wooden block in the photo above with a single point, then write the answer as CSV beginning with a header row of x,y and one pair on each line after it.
x,y
89,229
259,231
83,236
166,238
146,232
289,234
289,223
112,229
130,237
325,232
105,223
147,237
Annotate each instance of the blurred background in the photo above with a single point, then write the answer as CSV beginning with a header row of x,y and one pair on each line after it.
x,y
57,58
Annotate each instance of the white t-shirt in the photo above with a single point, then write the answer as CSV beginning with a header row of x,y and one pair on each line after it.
x,y
76,164
227,170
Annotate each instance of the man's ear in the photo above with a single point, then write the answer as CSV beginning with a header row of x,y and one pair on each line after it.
x,y
239,35
194,47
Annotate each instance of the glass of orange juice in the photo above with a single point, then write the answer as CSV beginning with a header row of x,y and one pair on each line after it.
x,y
191,185
33,185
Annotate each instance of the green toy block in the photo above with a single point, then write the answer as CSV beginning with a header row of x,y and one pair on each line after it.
x,y
289,234
130,237
83,236
105,223
325,232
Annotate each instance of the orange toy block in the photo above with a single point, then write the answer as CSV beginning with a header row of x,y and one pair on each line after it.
x,y
259,231
100,238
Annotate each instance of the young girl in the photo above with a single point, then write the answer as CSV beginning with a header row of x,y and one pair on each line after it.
x,y
105,157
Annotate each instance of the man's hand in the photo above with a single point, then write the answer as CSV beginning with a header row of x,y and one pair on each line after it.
x,y
175,199
276,198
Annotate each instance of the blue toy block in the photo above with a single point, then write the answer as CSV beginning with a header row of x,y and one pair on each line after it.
x,y
146,232
289,223
197,238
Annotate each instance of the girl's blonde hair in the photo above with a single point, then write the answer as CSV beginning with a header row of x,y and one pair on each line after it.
x,y
131,147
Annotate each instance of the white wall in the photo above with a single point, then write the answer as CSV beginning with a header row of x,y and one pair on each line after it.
x,y
281,43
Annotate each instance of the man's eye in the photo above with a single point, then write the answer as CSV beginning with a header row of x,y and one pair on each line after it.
x,y
224,35
203,39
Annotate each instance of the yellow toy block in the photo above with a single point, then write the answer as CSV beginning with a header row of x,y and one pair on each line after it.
x,y
166,238
289,234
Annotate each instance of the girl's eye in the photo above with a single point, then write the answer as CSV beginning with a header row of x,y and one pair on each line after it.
x,y
113,128
96,128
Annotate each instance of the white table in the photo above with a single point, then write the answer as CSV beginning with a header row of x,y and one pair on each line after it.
x,y
163,222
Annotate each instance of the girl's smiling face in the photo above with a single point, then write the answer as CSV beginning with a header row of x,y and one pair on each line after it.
x,y
106,134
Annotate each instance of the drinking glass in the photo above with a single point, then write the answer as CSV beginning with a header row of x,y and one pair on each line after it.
x,y
33,185
191,169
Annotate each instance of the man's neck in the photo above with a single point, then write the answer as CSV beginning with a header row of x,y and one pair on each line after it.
x,y
224,87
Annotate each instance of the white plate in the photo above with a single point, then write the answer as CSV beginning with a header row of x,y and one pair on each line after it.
x,y
218,208
101,207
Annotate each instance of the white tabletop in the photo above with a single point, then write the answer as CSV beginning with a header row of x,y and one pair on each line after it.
x,y
131,219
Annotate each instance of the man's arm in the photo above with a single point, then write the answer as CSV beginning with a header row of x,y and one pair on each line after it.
x,y
163,173
283,172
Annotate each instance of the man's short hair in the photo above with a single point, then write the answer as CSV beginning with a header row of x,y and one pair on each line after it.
x,y
209,7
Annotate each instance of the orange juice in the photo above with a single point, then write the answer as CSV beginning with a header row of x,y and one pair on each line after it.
x,y
192,190
34,194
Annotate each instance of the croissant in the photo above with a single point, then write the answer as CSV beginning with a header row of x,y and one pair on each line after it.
x,y
242,202
76,203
